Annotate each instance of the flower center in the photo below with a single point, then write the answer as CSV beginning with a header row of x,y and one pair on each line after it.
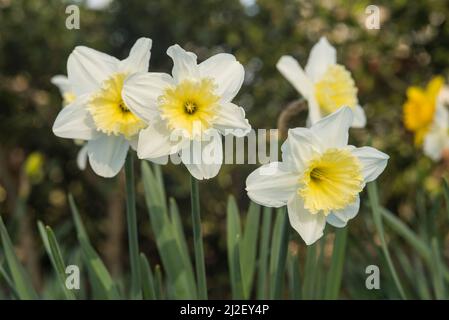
x,y
190,106
110,113
331,181
335,89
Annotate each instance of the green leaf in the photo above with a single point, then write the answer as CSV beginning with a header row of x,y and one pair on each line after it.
x,y
264,248
158,283
132,228
20,278
54,253
249,248
446,194
437,272
279,246
102,283
147,279
377,217
310,269
233,242
333,282
179,274
198,239
294,277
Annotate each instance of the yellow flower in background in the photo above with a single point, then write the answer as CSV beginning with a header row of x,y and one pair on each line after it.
x,y
33,167
419,109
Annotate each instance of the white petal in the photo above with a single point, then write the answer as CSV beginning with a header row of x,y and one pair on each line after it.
x,y
227,73
359,117
75,122
271,185
441,117
321,57
62,82
184,63
314,111
309,226
88,68
301,145
293,72
139,57
435,142
231,120
373,162
81,158
157,141
203,159
332,130
107,154
141,92
340,218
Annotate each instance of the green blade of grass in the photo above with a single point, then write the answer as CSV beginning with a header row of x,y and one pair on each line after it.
x,y
333,282
437,274
377,217
264,247
8,280
158,283
148,291
294,277
54,253
308,286
233,230
104,286
131,216
20,278
179,275
198,239
279,245
249,247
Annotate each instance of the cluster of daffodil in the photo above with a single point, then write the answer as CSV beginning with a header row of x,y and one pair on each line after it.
x,y
114,105
427,116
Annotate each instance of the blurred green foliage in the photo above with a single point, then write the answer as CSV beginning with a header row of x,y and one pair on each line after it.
x,y
411,46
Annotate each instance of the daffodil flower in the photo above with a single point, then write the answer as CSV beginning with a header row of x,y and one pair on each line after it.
x,y
419,109
65,88
98,114
320,176
189,111
325,85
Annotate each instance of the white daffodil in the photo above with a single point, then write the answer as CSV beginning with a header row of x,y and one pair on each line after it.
x,y
436,140
65,88
320,176
189,111
325,85
98,113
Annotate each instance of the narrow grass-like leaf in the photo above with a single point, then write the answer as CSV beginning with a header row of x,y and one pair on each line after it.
x,y
198,239
147,279
103,285
294,277
308,286
179,274
233,231
446,195
437,274
56,259
377,217
279,246
249,247
158,283
333,282
264,248
131,218
8,280
20,278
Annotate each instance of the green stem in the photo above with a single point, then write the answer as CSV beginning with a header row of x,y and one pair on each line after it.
x,y
197,240
132,227
375,207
